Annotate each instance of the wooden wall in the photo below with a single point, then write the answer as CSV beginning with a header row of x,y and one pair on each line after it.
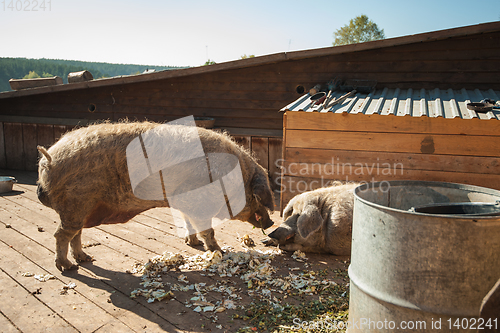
x,y
241,95
462,62
18,142
321,147
268,152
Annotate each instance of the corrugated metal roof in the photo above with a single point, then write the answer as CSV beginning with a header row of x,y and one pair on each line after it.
x,y
402,102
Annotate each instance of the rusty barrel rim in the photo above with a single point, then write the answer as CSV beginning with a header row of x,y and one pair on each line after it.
x,y
457,186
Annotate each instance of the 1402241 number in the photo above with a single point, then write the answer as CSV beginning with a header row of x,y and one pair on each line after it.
x,y
473,323
27,5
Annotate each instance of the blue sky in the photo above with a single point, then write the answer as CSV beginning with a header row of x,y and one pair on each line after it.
x,y
185,32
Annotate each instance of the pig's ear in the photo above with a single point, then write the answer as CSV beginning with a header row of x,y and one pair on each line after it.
x,y
309,221
262,191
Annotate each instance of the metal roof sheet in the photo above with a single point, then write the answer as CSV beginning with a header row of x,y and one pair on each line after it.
x,y
447,103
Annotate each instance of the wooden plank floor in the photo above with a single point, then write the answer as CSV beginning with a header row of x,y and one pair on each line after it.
x,y
100,302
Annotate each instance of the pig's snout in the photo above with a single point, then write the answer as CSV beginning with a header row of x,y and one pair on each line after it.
x,y
266,222
282,235
286,232
279,236
261,220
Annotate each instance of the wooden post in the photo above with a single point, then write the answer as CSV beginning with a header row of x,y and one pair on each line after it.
x,y
3,161
19,84
260,148
81,76
14,145
275,162
29,147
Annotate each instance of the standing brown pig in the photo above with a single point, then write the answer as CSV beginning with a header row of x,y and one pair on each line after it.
x,y
318,221
84,177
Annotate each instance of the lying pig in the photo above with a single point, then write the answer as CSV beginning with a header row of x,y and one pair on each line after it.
x,y
318,221
85,178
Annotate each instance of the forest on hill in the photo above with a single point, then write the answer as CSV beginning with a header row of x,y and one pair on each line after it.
x,y
18,68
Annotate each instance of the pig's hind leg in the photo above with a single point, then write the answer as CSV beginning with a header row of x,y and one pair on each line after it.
x,y
76,249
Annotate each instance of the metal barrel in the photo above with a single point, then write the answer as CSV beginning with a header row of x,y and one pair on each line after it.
x,y
420,272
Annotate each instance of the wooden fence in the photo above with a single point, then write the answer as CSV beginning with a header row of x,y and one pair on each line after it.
x,y
18,142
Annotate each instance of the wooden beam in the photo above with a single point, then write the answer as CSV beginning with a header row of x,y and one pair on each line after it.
x,y
43,120
390,124
285,157
310,162
466,145
235,131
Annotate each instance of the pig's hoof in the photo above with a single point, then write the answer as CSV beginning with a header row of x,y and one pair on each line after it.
x,y
192,240
269,241
83,258
213,247
65,265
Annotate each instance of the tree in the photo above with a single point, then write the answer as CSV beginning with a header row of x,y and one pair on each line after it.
x,y
247,56
360,29
34,75
209,62
31,75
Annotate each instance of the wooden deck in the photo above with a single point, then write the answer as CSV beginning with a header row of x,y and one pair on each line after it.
x,y
101,301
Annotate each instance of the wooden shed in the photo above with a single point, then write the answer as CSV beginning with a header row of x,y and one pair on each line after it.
x,y
391,134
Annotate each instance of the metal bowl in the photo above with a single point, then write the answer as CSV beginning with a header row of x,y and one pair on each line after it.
x,y
6,183
318,98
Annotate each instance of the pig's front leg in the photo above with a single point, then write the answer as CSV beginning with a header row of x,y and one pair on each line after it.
x,y
76,249
210,242
292,247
